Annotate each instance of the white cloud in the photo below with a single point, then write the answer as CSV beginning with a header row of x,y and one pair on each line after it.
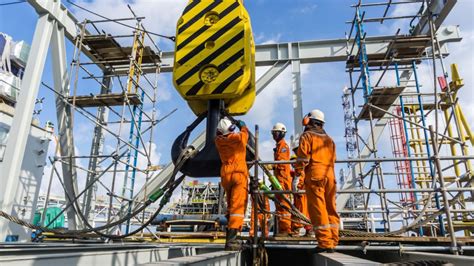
x,y
262,38
304,10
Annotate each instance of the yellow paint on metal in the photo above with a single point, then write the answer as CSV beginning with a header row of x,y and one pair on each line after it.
x,y
457,82
215,56
136,61
192,240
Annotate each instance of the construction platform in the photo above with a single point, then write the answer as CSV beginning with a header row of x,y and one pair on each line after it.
x,y
383,98
112,99
402,49
111,54
40,254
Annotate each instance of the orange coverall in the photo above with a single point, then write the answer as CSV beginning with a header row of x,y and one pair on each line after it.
x,y
301,204
316,156
260,219
234,174
282,173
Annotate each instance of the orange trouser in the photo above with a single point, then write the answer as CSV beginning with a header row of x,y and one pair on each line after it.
x,y
302,205
321,197
284,217
236,188
260,219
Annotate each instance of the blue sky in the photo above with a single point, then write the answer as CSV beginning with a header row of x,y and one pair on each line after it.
x,y
272,21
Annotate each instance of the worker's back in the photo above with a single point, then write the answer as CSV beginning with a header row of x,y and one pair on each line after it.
x,y
320,149
232,150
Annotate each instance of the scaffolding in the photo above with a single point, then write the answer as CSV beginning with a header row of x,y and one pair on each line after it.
x,y
123,117
388,87
203,199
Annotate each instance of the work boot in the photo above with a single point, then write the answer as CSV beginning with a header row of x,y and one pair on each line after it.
x,y
231,241
296,232
309,233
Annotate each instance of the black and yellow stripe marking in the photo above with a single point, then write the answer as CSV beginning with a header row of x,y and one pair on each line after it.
x,y
214,37
191,6
220,89
212,34
205,27
195,89
210,58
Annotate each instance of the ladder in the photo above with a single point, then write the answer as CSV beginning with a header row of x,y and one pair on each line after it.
x,y
399,149
417,138
133,86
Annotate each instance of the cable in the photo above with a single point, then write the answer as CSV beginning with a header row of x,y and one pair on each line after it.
x,y
172,38
169,188
293,210
13,3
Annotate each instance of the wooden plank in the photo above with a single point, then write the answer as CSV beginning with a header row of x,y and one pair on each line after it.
x,y
112,99
383,98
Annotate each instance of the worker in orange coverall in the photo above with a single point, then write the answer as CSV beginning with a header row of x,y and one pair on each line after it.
x,y
260,217
316,158
300,203
234,176
283,175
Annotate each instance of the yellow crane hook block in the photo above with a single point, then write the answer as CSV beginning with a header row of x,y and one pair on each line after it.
x,y
215,55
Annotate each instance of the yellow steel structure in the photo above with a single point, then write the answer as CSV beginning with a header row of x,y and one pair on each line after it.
x,y
136,59
460,120
215,56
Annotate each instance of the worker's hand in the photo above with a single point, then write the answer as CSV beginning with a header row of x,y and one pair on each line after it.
x,y
240,124
294,184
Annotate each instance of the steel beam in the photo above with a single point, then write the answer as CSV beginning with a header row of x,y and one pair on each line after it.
x,y
335,259
297,99
20,129
310,52
428,256
93,256
97,148
63,113
47,254
65,19
212,258
270,75
162,177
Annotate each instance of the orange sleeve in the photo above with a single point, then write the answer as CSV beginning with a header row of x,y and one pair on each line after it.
x,y
244,133
303,154
242,136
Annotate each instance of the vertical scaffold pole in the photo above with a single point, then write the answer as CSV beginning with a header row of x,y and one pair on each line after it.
x,y
402,105
428,152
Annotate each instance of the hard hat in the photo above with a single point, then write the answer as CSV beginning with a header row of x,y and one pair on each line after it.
x,y
316,115
279,127
225,126
296,144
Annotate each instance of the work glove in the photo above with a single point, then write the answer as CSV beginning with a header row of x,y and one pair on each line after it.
x,y
240,124
294,184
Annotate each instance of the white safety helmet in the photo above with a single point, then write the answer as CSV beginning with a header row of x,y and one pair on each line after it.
x,y
316,115
279,127
225,126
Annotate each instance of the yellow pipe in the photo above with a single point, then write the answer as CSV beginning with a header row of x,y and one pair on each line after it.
x,y
451,145
466,125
